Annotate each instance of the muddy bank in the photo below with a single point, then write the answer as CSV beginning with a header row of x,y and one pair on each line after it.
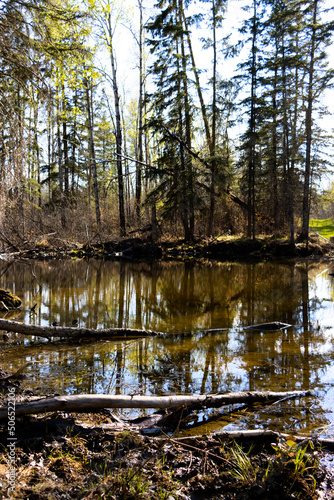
x,y
96,455
143,249
76,457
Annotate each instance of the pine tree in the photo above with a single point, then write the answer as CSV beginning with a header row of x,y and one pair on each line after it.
x,y
171,114
251,142
317,39
282,102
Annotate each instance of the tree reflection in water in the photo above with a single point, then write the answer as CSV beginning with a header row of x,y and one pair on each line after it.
x,y
184,300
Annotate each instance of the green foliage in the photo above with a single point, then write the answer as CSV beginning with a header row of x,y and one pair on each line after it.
x,y
302,462
276,176
48,53
242,466
291,468
325,227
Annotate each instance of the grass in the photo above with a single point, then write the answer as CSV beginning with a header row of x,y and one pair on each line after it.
x,y
129,466
242,465
325,227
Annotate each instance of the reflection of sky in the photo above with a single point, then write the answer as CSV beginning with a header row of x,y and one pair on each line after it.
x,y
322,290
327,404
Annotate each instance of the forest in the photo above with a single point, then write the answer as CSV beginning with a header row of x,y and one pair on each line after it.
x,y
81,158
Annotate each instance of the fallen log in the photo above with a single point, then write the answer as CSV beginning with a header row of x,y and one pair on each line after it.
x,y
70,332
91,402
276,325
18,372
216,330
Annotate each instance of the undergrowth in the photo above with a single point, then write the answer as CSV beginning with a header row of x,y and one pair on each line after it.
x,y
100,464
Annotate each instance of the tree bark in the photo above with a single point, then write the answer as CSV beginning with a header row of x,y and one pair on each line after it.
x,y
214,114
308,127
60,165
77,403
198,86
252,130
65,142
140,115
92,158
188,159
119,150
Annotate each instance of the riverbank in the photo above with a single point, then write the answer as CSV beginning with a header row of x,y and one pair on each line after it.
x,y
140,248
96,455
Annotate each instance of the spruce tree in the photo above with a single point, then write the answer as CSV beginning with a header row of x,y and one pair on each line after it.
x,y
171,113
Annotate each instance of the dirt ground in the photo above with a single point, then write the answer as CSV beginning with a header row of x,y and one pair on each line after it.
x,y
95,456
142,248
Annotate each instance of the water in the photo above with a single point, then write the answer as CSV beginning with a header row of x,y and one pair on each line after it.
x,y
184,300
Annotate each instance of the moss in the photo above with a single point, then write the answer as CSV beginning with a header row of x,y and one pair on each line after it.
x,y
77,254
9,300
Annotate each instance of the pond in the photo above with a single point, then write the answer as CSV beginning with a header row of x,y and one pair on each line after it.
x,y
184,300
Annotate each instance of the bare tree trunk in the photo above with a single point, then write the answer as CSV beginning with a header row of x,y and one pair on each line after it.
x,y
49,139
92,159
154,221
198,86
60,166
181,176
252,130
140,114
65,143
213,125
274,181
286,148
189,181
36,148
68,332
74,143
118,133
209,134
127,181
308,126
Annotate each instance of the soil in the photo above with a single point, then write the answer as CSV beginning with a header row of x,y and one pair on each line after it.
x,y
95,455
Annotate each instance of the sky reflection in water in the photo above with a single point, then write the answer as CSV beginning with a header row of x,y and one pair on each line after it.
x,y
183,300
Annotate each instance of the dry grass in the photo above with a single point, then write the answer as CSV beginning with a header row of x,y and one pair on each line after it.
x,y
98,463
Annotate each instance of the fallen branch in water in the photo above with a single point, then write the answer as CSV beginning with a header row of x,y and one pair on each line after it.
x,y
18,372
276,325
91,402
68,332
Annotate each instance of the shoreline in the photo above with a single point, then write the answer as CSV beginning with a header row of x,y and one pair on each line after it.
x,y
142,249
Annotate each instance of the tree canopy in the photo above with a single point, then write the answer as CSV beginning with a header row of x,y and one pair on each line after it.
x,y
175,142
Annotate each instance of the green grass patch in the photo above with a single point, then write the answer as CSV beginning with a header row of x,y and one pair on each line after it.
x,y
325,227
